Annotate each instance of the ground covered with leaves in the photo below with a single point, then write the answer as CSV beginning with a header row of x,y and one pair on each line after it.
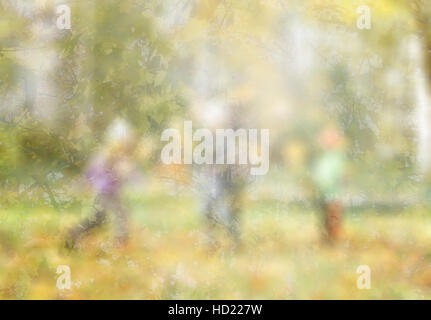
x,y
281,255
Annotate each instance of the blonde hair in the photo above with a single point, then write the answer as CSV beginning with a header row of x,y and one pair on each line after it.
x,y
119,139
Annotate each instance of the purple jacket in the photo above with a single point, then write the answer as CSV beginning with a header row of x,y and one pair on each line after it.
x,y
103,178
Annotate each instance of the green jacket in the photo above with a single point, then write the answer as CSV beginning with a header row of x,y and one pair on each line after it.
x,y
328,172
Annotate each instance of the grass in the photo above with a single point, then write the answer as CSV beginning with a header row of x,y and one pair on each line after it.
x,y
281,256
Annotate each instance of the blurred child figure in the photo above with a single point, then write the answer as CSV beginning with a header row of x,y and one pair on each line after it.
x,y
221,188
327,175
107,172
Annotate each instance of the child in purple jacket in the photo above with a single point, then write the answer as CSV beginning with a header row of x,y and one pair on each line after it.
x,y
106,174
